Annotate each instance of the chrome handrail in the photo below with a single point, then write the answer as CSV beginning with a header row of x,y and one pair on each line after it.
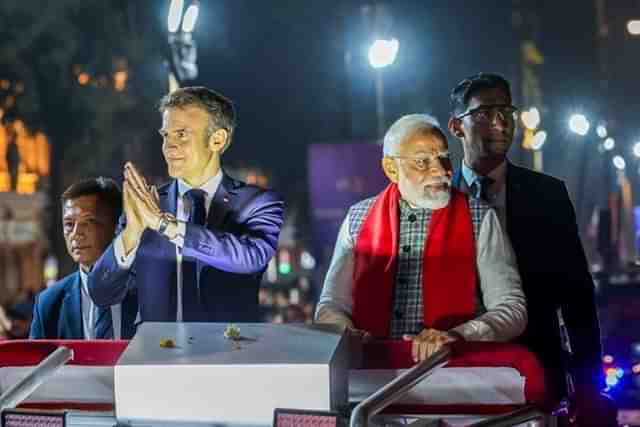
x,y
519,416
38,375
395,389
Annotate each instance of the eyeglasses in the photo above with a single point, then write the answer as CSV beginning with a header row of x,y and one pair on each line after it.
x,y
487,113
425,162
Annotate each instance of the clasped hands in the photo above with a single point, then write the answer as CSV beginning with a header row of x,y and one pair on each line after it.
x,y
423,345
141,206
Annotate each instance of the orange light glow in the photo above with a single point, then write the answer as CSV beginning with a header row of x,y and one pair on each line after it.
x,y
120,80
83,78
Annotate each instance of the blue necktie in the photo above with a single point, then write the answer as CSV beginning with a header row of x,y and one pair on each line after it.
x,y
480,188
190,300
104,325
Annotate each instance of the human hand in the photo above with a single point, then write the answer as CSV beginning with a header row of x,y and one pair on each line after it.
x,y
428,342
133,230
360,334
144,198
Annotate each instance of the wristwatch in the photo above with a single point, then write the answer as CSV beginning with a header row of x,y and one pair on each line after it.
x,y
165,220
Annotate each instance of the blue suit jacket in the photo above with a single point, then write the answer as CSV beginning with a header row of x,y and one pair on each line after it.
x,y
231,253
541,224
57,312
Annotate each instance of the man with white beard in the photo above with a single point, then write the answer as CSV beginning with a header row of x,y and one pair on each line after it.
x,y
420,261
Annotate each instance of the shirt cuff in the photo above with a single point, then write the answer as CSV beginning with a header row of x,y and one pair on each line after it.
x,y
124,260
181,232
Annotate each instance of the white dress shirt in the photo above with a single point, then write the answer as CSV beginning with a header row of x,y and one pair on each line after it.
x,y
90,312
504,316
497,191
182,215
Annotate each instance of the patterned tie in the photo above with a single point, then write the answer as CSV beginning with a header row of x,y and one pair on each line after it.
x,y
104,325
480,188
190,300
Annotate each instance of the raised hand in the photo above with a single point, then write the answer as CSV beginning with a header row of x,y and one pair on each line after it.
x,y
143,197
133,230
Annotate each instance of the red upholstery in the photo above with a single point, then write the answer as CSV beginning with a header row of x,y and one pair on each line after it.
x,y
85,353
378,355
397,355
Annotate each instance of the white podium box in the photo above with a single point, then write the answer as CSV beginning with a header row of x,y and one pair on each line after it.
x,y
207,378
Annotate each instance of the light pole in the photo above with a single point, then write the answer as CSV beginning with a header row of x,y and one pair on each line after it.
x,y
382,53
183,56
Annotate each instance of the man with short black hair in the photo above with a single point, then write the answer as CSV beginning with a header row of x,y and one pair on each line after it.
x,y
90,211
196,248
537,213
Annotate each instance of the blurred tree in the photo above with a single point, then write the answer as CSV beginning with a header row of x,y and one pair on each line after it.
x,y
89,74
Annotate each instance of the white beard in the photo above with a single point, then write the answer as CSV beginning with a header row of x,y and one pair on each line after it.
x,y
424,197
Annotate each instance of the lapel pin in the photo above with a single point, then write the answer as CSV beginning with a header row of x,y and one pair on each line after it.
x,y
225,199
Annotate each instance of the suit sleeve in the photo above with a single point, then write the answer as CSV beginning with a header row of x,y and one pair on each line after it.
x,y
37,328
109,281
245,250
577,302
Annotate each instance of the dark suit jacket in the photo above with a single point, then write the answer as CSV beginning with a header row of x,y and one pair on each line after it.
x,y
231,251
57,312
541,224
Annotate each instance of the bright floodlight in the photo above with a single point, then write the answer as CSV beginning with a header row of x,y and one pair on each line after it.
x,y
609,144
383,52
531,118
175,15
538,140
633,27
636,149
579,124
190,18
619,163
601,130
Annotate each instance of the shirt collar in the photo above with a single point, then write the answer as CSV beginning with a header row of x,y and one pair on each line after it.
x,y
84,277
210,187
498,174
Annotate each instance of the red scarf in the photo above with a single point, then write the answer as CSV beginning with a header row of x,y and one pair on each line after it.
x,y
448,267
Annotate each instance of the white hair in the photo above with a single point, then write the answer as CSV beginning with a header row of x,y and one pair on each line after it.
x,y
404,127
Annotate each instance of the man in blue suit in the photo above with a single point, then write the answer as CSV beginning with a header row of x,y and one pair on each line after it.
x,y
196,248
540,220
90,211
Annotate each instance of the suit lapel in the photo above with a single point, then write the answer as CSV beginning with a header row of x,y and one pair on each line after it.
x,y
221,203
71,310
169,198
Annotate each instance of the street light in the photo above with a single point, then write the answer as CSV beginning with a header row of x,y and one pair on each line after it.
x,y
619,163
382,53
636,149
601,130
579,124
633,27
538,140
531,118
609,144
190,18
175,15
183,48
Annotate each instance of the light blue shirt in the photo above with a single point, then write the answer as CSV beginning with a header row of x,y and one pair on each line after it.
x,y
497,192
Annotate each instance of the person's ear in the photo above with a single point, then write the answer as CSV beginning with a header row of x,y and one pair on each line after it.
x,y
219,141
456,128
390,169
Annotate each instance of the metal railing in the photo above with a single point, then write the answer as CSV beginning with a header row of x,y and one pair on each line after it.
x,y
397,388
519,416
38,375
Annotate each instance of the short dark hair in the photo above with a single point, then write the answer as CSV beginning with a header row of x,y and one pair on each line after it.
x,y
222,114
463,92
107,190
